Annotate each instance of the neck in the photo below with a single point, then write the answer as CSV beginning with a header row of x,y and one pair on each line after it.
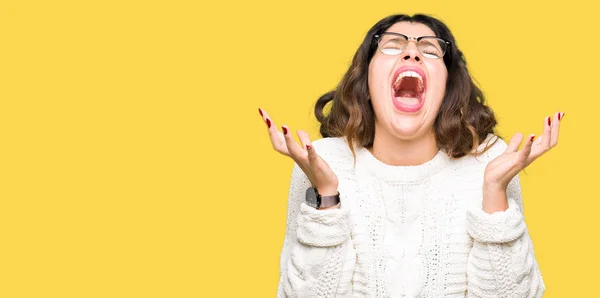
x,y
398,152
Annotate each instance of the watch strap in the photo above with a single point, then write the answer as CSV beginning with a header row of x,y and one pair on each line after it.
x,y
329,201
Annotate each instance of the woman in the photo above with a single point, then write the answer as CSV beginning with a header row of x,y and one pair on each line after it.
x,y
410,194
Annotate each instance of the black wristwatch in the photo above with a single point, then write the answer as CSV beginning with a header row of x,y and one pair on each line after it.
x,y
315,200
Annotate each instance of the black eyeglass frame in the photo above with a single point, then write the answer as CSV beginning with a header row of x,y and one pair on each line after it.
x,y
377,38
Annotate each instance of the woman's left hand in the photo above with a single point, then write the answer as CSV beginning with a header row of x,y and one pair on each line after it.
x,y
501,170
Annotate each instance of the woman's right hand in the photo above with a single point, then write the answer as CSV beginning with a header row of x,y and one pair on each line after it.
x,y
316,169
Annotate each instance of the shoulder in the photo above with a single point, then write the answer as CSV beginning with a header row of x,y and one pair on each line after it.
x,y
334,150
336,145
471,166
495,145
489,149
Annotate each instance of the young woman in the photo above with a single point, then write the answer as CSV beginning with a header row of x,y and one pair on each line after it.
x,y
410,193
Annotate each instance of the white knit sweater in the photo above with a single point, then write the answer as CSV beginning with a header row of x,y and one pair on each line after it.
x,y
406,231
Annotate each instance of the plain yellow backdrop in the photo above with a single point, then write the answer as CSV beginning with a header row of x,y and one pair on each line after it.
x,y
133,161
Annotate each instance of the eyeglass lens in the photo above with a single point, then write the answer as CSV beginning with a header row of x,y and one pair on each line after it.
x,y
429,47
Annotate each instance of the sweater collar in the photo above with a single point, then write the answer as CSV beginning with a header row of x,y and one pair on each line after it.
x,y
402,174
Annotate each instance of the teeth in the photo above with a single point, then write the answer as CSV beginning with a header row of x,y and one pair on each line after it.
x,y
408,73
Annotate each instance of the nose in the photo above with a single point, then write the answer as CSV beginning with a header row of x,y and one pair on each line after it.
x,y
411,52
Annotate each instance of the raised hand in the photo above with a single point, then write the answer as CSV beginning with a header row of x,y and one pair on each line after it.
x,y
316,169
500,171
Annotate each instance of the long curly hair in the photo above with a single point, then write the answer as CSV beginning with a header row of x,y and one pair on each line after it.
x,y
462,123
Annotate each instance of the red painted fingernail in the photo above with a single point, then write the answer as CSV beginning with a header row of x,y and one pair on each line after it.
x,y
531,138
268,123
308,147
549,122
260,111
284,130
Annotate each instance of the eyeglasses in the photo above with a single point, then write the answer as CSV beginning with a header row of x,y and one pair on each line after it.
x,y
393,44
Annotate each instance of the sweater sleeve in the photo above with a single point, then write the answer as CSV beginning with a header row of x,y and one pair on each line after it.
x,y
317,259
502,261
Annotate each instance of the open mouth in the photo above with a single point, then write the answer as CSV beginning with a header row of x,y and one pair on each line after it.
x,y
409,85
408,90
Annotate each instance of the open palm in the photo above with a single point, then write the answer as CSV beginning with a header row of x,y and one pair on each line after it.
x,y
503,168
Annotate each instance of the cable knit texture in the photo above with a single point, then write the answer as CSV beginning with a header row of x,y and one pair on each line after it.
x,y
406,231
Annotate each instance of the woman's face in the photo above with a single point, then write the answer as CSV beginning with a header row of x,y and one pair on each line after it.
x,y
406,90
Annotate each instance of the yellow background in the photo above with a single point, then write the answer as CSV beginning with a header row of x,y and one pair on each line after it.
x,y
133,161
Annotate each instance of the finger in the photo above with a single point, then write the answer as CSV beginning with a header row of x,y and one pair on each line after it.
x,y
542,143
312,153
304,138
514,143
266,118
276,136
545,143
260,111
296,152
263,114
527,147
555,129
278,141
526,153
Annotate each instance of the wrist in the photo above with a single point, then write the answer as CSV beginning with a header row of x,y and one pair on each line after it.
x,y
328,199
328,191
493,186
494,198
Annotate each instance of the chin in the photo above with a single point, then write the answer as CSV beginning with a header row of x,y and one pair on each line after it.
x,y
407,129
409,125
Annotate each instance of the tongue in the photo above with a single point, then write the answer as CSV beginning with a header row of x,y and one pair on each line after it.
x,y
406,93
408,97
408,100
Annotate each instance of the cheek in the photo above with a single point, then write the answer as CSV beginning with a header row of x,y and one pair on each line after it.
x,y
379,70
439,74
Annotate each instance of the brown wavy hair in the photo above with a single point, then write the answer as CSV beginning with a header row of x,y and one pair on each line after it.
x,y
463,120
